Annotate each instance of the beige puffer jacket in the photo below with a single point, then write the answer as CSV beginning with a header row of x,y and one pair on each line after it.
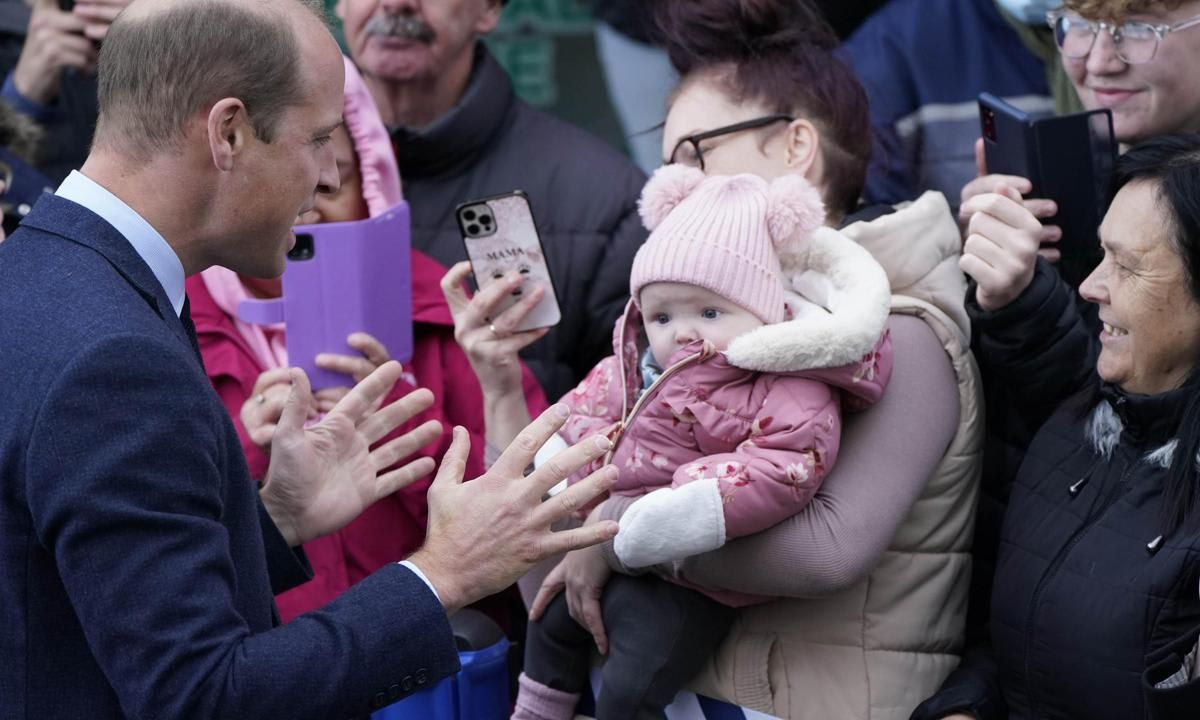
x,y
877,649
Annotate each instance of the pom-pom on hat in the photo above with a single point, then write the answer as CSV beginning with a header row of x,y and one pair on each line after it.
x,y
724,233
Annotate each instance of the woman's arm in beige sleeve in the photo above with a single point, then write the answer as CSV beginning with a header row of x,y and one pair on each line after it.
x,y
888,453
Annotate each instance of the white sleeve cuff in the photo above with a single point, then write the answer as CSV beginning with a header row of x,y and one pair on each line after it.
x,y
417,571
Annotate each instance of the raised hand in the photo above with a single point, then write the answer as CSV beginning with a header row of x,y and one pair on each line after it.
x,y
1002,246
582,575
486,533
324,476
54,42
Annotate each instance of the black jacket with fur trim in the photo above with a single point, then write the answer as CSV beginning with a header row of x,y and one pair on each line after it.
x,y
1088,593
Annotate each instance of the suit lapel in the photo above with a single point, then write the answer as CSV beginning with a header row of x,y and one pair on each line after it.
x,y
80,225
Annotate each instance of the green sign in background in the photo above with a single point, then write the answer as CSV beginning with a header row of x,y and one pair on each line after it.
x,y
548,49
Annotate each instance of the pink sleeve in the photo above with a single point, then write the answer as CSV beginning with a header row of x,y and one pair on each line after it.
x,y
793,443
595,409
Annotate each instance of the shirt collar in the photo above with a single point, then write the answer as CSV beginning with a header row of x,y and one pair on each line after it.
x,y
146,241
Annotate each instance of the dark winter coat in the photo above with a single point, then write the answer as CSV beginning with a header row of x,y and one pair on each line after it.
x,y
584,199
1089,592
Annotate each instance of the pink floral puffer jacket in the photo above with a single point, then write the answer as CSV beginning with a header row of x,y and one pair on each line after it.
x,y
736,441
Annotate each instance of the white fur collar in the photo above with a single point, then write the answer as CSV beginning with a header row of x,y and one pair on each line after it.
x,y
1104,430
858,300
918,246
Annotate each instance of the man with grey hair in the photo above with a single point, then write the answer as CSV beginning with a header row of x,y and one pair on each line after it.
x,y
139,559
460,133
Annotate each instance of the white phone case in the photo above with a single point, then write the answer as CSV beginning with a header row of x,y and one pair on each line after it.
x,y
514,245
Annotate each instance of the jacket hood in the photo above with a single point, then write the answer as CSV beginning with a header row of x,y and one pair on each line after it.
x,y
918,246
376,159
381,190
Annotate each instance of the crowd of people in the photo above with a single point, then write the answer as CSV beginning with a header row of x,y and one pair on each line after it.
x,y
821,432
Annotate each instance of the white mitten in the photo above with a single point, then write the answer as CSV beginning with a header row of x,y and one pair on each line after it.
x,y
671,524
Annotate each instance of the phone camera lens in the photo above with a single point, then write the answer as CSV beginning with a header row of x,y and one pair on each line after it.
x,y
468,215
486,220
473,229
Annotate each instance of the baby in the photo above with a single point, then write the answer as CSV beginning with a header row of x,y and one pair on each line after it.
x,y
723,401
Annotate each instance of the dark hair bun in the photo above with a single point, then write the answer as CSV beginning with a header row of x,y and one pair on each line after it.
x,y
706,32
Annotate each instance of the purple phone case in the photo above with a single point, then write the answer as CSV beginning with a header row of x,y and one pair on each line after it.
x,y
359,278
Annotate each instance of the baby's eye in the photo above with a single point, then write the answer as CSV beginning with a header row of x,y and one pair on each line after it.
x,y
662,318
710,313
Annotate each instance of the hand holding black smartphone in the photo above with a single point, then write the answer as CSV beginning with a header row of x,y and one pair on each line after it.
x,y
500,236
1068,159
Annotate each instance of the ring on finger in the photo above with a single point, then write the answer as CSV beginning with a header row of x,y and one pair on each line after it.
x,y
495,333
260,398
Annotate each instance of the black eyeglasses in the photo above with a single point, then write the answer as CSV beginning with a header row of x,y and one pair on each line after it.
x,y
693,156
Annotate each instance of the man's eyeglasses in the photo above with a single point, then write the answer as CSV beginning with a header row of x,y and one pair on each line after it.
x,y
688,152
1135,42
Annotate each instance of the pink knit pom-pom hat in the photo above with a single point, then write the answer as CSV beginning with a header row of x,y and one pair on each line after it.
x,y
723,233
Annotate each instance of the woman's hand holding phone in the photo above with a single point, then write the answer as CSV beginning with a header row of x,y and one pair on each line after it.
x,y
491,346
1002,245
991,183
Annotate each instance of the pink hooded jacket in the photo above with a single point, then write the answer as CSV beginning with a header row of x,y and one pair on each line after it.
x,y
736,449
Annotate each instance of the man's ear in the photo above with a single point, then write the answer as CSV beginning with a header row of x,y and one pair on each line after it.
x,y
490,18
802,146
229,131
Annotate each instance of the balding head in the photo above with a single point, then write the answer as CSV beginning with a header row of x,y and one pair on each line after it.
x,y
165,61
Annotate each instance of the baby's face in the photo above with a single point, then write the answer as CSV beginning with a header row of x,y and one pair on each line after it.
x,y
676,314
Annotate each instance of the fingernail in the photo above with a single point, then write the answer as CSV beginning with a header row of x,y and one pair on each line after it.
x,y
602,442
561,410
611,474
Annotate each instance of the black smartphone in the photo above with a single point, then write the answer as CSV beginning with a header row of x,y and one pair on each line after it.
x,y
66,5
1069,159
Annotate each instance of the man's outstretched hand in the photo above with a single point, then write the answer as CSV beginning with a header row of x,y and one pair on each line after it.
x,y
322,477
486,533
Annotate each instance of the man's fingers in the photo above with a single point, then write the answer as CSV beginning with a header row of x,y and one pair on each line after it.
x,y
566,463
519,453
454,461
567,540
383,421
296,409
369,393
399,448
980,158
576,496
402,477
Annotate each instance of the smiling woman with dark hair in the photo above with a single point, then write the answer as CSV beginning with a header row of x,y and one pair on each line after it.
x,y
1099,554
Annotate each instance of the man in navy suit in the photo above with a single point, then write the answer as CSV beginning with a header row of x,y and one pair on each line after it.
x,y
139,559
